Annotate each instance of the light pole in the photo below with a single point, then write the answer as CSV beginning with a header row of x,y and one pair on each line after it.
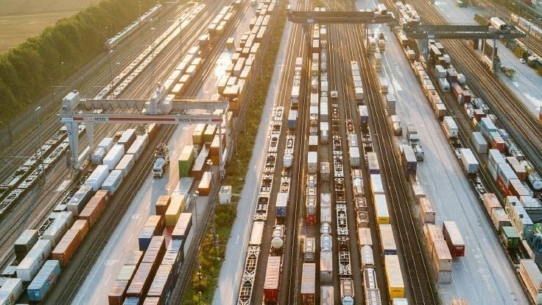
x,y
37,112
110,68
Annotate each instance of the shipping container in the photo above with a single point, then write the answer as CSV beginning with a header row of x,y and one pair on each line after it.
x,y
67,246
197,135
453,238
387,240
372,163
204,186
308,285
479,142
161,282
30,265
499,218
80,199
98,176
174,253
510,237
81,226
145,237
113,181
470,164
58,227
125,164
396,285
24,243
519,218
532,278
450,127
126,140
281,206
134,258
138,146
44,280
271,282
117,293
376,184
427,210
142,280
186,160
326,267
182,227
10,291
93,210
176,207
408,159
256,233
381,209
113,156
162,204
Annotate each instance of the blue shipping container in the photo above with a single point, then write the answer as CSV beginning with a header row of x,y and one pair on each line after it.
x,y
131,301
292,119
145,238
44,280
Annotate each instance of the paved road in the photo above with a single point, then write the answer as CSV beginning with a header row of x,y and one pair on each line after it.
x,y
483,276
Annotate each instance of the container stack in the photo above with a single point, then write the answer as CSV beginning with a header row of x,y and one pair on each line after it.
x,y
440,254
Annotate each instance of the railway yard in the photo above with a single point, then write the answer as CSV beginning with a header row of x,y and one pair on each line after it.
x,y
385,169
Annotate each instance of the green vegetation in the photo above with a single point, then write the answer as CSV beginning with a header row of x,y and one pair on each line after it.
x,y
206,280
29,71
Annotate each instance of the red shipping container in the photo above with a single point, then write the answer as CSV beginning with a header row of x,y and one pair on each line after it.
x,y
498,143
141,282
134,258
67,246
271,284
517,188
503,187
117,293
453,238
93,210
157,222
457,92
466,96
152,301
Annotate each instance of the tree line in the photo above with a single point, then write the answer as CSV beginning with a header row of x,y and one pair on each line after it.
x,y
29,71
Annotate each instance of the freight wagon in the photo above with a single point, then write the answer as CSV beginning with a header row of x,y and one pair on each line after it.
x,y
347,291
182,227
309,248
308,285
381,209
327,296
271,283
326,267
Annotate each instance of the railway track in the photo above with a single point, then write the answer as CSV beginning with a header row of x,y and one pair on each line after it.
x,y
12,225
513,115
410,240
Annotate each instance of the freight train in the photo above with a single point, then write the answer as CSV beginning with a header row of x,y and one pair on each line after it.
x,y
120,36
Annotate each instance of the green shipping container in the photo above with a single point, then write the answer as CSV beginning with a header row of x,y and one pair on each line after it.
x,y
510,237
209,133
186,161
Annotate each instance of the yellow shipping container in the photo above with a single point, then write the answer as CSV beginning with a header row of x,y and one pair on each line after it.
x,y
176,207
394,276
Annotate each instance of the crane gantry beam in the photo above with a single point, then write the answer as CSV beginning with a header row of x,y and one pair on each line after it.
x,y
328,17
458,32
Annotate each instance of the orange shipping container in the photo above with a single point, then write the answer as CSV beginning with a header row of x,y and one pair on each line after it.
x,y
152,301
117,293
490,202
93,210
142,280
82,226
134,258
157,222
162,203
67,246
103,194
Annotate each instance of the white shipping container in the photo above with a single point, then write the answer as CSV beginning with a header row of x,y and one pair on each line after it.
x,y
256,233
11,290
30,265
106,143
56,230
113,181
376,184
97,155
470,164
312,159
444,85
355,159
326,267
427,211
450,127
113,156
479,142
98,176
137,148
126,164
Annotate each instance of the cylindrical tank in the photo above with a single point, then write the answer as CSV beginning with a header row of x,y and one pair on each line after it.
x,y
535,181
